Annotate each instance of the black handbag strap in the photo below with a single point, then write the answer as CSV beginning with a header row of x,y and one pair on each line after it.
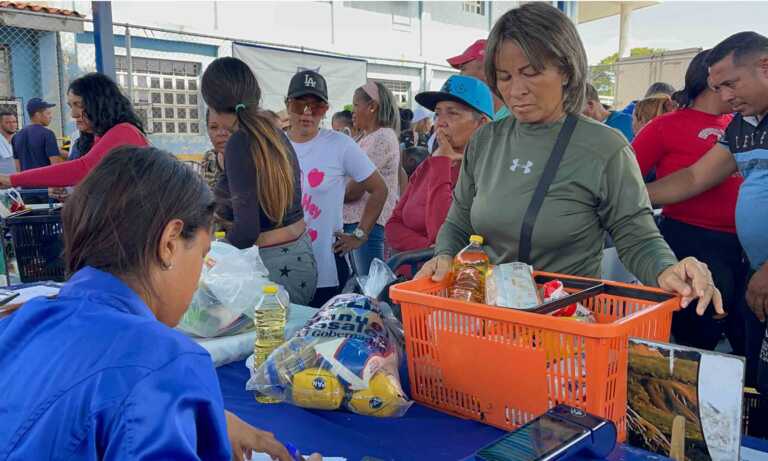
x,y
529,220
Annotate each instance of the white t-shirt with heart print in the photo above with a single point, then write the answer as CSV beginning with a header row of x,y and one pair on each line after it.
x,y
326,162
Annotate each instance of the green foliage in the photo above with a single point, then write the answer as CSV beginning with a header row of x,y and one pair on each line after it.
x,y
603,76
686,371
633,53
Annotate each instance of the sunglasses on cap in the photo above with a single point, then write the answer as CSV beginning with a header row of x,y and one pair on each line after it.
x,y
299,107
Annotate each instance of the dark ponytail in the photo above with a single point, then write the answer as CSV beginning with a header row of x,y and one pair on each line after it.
x,y
229,86
695,80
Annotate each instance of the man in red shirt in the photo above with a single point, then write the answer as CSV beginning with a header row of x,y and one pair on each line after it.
x,y
738,72
704,225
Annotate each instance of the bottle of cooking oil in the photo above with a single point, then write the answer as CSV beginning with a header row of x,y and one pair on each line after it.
x,y
269,317
470,267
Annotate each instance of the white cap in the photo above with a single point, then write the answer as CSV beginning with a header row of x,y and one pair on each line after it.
x,y
420,114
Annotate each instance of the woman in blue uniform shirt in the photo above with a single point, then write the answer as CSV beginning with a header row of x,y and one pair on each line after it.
x,y
96,373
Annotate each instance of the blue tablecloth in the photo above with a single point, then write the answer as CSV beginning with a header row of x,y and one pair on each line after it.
x,y
422,434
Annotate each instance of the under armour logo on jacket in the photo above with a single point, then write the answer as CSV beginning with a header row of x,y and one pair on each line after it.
x,y
309,81
516,164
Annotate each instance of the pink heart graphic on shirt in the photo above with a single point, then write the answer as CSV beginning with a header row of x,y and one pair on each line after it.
x,y
315,177
312,234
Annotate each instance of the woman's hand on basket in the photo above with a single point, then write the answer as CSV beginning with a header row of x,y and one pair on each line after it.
x,y
692,279
437,268
5,181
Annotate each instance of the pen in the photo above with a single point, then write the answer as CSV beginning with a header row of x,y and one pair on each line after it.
x,y
294,452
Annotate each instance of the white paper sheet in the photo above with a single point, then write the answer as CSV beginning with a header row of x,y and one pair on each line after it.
x,y
25,294
264,457
750,454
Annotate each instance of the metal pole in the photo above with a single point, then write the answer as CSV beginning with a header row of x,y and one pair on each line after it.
x,y
489,11
421,29
103,38
129,62
62,87
570,8
624,21
333,23
215,15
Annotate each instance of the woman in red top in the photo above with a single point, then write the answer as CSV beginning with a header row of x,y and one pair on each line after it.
x,y
98,107
462,106
702,226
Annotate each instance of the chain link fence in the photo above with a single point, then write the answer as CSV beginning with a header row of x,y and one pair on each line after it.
x,y
160,72
21,68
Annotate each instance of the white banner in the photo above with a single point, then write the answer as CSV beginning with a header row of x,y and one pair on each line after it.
x,y
274,68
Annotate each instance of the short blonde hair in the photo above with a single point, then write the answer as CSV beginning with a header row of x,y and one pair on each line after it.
x,y
546,36
649,108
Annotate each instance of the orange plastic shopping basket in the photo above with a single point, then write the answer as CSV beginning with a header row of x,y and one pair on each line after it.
x,y
504,367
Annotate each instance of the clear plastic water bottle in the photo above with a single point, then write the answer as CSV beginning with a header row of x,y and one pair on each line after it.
x,y
269,317
470,268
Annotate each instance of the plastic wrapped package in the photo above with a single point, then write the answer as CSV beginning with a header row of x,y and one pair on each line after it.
x,y
555,290
512,285
10,202
230,286
346,356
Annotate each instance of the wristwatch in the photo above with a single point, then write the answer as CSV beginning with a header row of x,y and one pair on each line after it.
x,y
359,234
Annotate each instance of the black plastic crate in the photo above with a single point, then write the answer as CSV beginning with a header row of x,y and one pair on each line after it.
x,y
34,196
755,420
37,238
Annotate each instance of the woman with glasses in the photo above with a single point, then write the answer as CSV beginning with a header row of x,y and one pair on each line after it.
x,y
260,189
328,159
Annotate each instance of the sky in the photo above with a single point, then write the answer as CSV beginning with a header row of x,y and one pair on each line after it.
x,y
676,25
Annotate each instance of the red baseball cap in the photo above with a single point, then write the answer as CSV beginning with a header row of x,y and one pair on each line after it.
x,y
475,51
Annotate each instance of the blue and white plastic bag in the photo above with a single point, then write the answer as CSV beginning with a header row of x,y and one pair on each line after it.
x,y
346,356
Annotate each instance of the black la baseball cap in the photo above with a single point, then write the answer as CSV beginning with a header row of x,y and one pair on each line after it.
x,y
308,82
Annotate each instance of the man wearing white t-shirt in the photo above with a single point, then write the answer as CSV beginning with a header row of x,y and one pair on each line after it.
x,y
327,160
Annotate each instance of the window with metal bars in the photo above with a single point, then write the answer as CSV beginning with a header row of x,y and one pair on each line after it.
x,y
164,93
400,89
474,7
13,105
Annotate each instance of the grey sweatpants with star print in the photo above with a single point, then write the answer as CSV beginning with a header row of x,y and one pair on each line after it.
x,y
293,266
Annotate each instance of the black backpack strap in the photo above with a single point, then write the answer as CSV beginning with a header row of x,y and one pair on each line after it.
x,y
550,170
